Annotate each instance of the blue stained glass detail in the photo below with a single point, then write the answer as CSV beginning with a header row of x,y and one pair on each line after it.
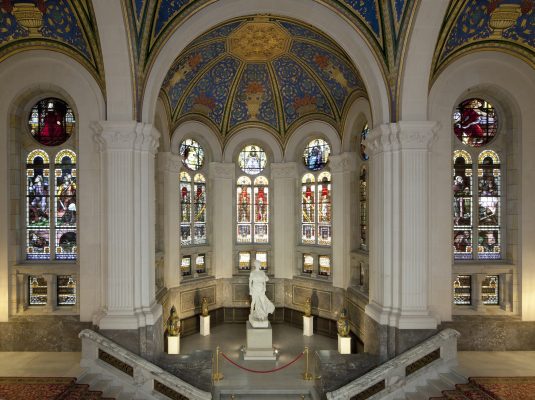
x,y
167,10
300,93
337,75
212,91
254,98
368,10
59,22
10,28
186,68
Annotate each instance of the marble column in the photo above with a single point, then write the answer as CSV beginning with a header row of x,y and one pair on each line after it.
x,y
343,169
221,206
399,215
169,167
127,167
283,179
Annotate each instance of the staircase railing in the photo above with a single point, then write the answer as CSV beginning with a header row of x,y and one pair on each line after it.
x,y
100,353
437,352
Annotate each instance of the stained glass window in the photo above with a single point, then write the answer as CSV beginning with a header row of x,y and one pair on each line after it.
x,y
185,265
308,209
316,214
38,290
363,199
192,154
489,290
324,209
185,209
66,290
363,136
38,206
252,214
252,159
200,263
325,265
462,290
199,209
489,193
316,154
244,261
475,122
66,187
308,263
51,122
262,257
462,205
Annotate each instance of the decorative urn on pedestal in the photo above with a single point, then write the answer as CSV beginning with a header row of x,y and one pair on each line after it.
x,y
343,324
29,16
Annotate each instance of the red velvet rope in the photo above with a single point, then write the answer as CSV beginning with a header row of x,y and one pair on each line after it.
x,y
263,372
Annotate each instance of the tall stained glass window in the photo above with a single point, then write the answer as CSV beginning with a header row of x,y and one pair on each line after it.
x,y
462,205
252,210
489,196
66,186
363,200
38,206
316,210
192,209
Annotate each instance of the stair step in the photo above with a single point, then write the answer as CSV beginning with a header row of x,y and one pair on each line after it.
x,y
418,395
89,379
451,379
101,385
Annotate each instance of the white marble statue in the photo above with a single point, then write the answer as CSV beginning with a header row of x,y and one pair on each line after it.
x,y
261,306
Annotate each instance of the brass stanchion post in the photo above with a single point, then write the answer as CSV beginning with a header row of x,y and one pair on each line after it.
x,y
217,376
307,376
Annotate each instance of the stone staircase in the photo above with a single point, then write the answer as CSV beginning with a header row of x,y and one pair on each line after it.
x,y
105,385
434,386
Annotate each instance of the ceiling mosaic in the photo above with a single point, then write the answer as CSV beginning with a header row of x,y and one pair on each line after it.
x,y
264,70
506,25
383,23
67,26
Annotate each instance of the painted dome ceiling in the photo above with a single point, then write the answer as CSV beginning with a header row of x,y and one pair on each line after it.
x,y
261,70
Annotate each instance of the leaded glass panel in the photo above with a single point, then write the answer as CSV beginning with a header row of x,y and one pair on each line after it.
x,y
489,194
185,209
363,136
462,205
363,186
262,257
200,263
38,206
244,210
185,265
462,290
38,290
51,122
324,209
66,188
192,154
308,263
489,290
316,154
475,122
325,265
199,209
244,261
66,290
261,210
252,159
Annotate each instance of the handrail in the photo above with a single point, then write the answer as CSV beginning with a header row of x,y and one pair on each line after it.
x,y
397,372
143,370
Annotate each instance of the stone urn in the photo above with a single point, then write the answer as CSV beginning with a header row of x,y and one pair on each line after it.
x,y
29,16
502,18
343,324
173,323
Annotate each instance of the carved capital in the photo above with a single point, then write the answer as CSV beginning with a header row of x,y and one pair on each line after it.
x,y
381,138
345,162
222,170
283,170
416,134
169,162
125,135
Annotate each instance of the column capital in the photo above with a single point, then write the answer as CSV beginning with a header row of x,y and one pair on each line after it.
x,y
169,162
126,135
222,170
344,162
401,135
283,170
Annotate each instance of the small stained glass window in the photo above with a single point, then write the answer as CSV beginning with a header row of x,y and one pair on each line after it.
x,y
185,266
475,122
200,264
308,263
252,159
324,209
363,136
316,154
489,290
244,261
38,290
51,122
192,154
363,183
462,290
262,257
325,265
66,290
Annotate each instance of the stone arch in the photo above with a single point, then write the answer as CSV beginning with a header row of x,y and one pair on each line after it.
x,y
358,115
257,135
308,131
201,133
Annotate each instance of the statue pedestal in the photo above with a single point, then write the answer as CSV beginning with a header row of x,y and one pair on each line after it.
x,y
205,325
173,344
259,343
308,325
344,345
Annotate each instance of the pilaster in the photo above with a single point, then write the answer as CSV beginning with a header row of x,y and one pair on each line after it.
x,y
343,167
221,199
283,176
127,167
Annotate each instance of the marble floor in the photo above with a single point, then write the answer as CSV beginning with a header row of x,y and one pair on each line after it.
x,y
288,339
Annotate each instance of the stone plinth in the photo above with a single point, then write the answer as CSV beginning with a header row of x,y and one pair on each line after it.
x,y
259,343
308,325
205,325
256,323
344,345
173,345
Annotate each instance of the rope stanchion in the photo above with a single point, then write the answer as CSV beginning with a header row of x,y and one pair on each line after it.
x,y
307,376
217,376
256,371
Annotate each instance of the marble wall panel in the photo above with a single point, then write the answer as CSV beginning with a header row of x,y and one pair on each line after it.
x,y
321,300
240,292
190,300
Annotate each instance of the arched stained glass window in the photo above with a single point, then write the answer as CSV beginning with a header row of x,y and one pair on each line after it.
x,y
363,136
252,213
316,210
252,159
51,121
38,206
308,209
489,199
66,187
199,209
185,209
324,209
316,154
363,199
475,122
192,154
462,205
